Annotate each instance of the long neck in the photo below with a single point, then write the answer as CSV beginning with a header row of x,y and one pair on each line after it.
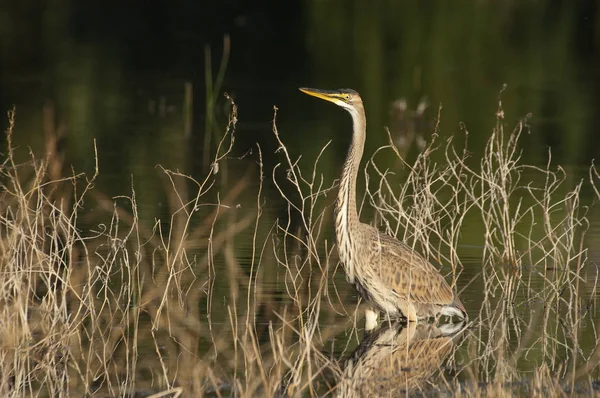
x,y
346,213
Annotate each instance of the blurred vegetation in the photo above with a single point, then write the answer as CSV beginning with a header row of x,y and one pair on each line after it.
x,y
120,74
460,54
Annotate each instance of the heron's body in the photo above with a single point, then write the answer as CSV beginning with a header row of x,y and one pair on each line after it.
x,y
389,275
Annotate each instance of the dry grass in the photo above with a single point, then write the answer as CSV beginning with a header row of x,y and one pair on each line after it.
x,y
127,308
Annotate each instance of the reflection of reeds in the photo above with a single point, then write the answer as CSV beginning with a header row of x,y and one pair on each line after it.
x,y
170,308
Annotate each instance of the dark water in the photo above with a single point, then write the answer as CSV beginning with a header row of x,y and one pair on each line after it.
x,y
119,74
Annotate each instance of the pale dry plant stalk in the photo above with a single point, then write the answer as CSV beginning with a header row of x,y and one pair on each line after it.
x,y
538,304
308,259
74,301
427,209
41,251
533,251
231,343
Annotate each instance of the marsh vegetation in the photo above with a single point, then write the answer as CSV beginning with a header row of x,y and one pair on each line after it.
x,y
220,299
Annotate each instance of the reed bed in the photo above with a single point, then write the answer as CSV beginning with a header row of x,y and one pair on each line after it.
x,y
123,308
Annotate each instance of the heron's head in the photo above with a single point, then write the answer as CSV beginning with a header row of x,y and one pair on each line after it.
x,y
345,97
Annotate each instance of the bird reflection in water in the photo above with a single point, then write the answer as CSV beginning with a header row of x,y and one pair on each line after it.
x,y
397,359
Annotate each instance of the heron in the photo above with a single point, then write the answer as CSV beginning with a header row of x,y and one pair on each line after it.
x,y
390,275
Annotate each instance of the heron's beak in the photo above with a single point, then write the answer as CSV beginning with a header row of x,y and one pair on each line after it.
x,y
327,95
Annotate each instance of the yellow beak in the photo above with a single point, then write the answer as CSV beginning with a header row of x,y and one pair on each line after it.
x,y
327,95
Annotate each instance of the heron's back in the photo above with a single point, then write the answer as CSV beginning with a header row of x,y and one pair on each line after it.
x,y
391,272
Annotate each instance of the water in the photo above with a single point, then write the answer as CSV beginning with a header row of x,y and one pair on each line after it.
x,y
120,78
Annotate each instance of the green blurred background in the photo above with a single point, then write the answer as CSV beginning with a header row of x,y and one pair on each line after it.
x,y
118,72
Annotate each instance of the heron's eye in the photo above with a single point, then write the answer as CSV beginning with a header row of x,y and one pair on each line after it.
x,y
348,97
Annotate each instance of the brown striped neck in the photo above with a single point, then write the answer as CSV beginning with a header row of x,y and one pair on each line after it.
x,y
346,211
